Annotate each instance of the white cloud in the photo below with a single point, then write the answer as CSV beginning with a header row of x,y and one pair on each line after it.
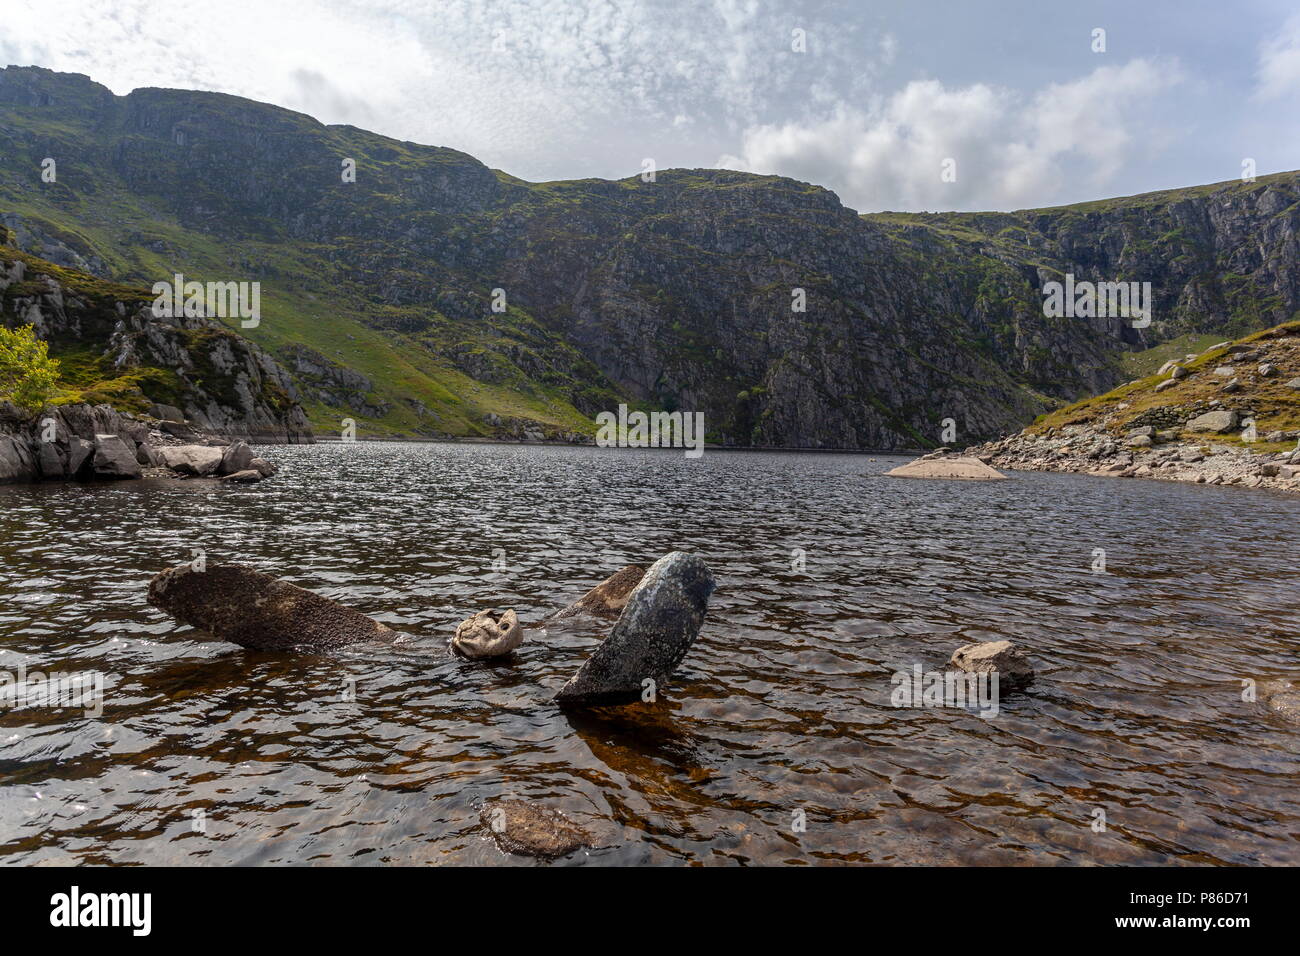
x,y
533,87
1279,64
1009,149
550,89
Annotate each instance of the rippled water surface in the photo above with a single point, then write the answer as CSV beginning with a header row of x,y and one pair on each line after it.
x,y
782,706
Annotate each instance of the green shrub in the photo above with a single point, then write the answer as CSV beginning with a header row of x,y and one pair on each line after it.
x,y
27,373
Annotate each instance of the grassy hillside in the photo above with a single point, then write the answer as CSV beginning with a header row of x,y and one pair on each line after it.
x,y
1273,400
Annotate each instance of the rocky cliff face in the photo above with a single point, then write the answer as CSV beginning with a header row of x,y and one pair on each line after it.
x,y
112,348
473,296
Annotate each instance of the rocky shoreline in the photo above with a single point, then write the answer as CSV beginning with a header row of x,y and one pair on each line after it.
x,y
1189,455
97,442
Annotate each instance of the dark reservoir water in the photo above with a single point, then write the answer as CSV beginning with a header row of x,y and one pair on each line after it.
x,y
783,705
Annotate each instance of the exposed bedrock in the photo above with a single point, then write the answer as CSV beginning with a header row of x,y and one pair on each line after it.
x,y
254,610
658,626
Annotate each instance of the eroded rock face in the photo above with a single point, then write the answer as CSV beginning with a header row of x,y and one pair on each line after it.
x,y
1012,666
488,634
254,610
16,461
531,830
662,618
608,598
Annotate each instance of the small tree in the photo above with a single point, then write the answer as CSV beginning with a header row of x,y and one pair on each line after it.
x,y
27,373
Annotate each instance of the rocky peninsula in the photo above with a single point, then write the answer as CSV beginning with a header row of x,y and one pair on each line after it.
x,y
1229,415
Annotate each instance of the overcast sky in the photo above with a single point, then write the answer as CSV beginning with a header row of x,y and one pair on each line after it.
x,y
884,93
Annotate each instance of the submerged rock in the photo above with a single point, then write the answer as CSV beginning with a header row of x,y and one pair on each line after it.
x,y
1013,667
263,467
247,477
254,610
968,469
608,598
1282,698
531,830
662,618
488,634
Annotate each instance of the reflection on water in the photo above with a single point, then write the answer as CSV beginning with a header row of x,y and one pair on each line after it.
x,y
783,705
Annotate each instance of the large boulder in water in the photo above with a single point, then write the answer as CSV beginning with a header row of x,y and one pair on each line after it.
x,y
662,618
236,458
1013,668
254,610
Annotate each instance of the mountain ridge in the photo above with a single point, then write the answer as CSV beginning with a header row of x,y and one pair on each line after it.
x,y
671,294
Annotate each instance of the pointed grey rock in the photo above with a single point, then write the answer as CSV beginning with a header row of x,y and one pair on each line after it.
x,y
662,618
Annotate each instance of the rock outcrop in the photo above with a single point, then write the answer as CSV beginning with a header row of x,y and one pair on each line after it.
x,y
89,442
1198,427
653,633
255,610
223,383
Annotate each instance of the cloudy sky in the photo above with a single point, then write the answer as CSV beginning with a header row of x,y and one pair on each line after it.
x,y
880,96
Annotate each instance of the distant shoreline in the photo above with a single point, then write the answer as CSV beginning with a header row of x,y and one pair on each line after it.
x,y
897,453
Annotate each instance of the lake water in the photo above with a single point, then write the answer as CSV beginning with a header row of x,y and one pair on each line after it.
x,y
206,753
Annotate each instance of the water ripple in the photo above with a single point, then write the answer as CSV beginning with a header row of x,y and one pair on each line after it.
x,y
831,578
